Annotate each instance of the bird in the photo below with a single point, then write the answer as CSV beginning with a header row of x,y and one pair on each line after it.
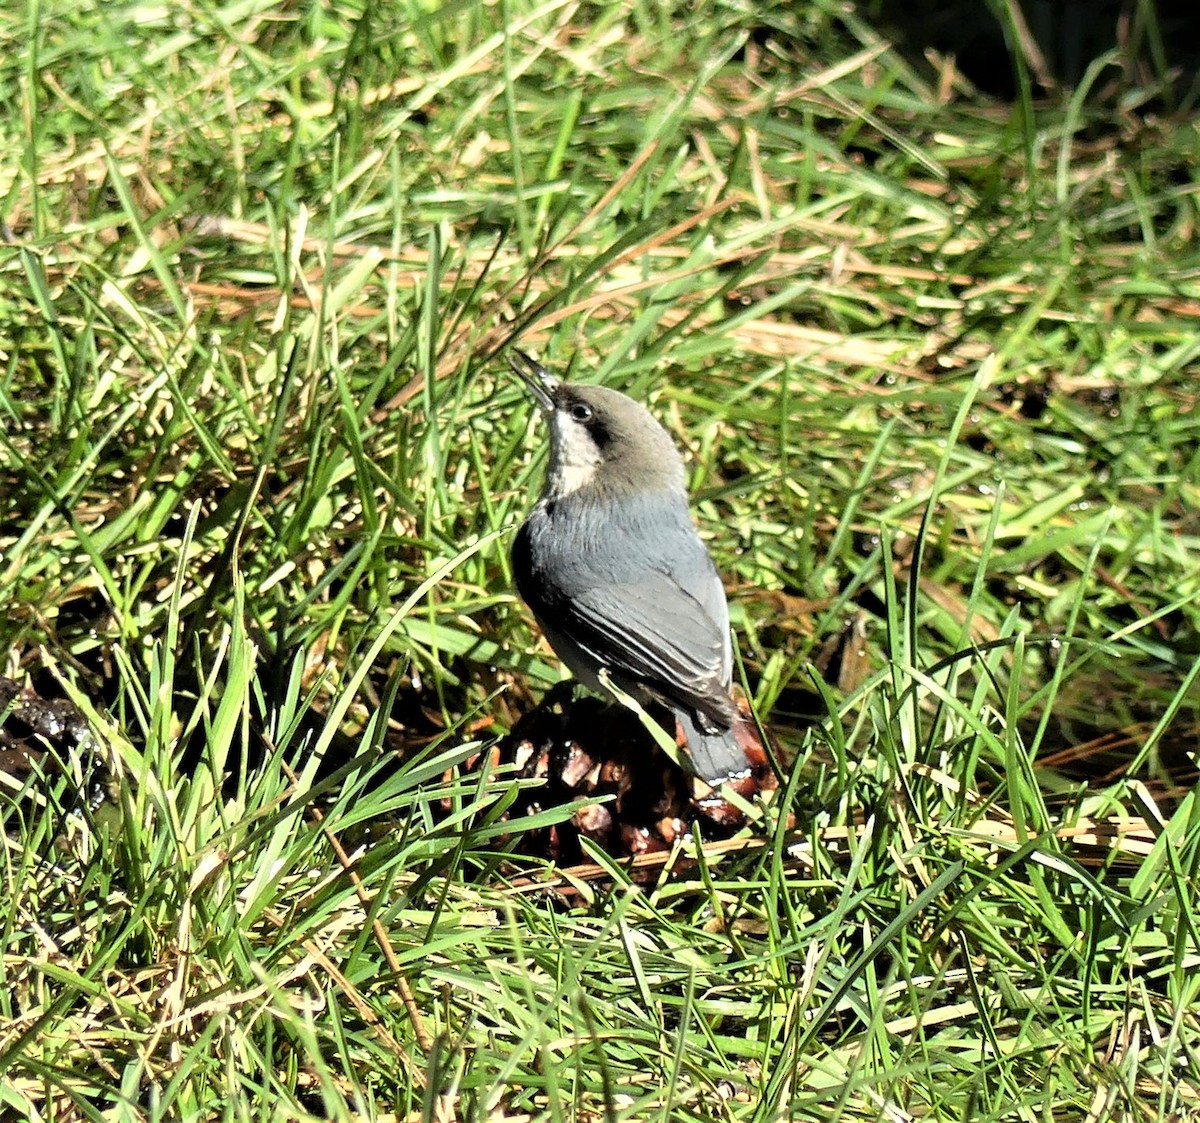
x,y
622,586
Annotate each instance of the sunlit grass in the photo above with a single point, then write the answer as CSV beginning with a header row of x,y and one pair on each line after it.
x,y
932,360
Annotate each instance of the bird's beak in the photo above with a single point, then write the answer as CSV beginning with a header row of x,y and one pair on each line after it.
x,y
540,381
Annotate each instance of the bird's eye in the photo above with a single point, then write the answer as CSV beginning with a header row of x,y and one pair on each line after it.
x,y
581,413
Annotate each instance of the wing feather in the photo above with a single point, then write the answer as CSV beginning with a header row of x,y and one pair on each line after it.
x,y
655,632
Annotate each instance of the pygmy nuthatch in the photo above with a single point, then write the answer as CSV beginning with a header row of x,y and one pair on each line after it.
x,y
612,567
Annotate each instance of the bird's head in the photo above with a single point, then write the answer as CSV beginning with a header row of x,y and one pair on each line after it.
x,y
601,440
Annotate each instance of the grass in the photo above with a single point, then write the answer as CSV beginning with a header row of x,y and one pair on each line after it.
x,y
933,361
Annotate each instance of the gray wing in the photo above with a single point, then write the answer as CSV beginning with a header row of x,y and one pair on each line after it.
x,y
657,633
711,595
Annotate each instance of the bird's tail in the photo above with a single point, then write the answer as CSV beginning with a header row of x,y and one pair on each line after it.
x,y
722,754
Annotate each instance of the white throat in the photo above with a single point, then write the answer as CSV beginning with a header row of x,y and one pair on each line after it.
x,y
574,459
